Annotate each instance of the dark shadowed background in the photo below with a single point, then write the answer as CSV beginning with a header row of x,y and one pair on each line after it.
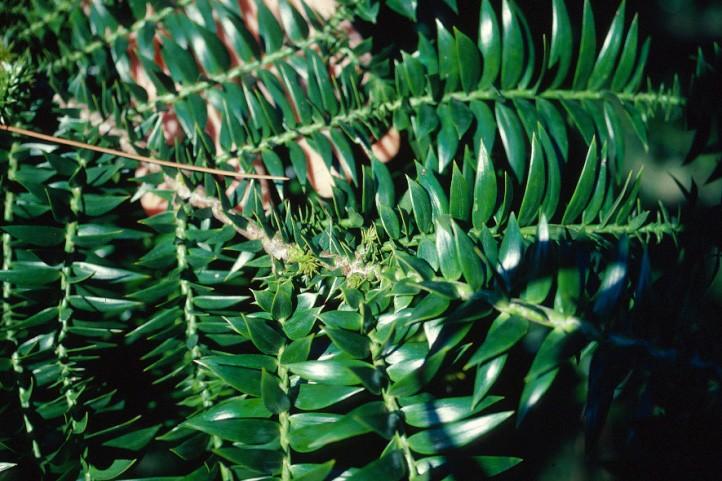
x,y
683,440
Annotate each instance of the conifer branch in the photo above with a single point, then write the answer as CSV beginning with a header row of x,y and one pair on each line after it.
x,y
120,32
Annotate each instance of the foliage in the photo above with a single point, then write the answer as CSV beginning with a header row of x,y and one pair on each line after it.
x,y
353,337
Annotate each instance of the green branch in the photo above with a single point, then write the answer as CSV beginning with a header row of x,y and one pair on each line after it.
x,y
393,407
326,35
65,314
659,228
7,246
189,316
59,9
65,311
7,310
283,420
554,319
645,98
121,32
556,231
385,110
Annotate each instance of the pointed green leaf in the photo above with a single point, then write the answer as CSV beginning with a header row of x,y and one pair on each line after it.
x,y
614,280
455,435
209,50
448,64
616,134
549,354
105,273
446,249
268,28
407,8
96,205
448,142
412,75
442,411
209,303
391,467
415,264
626,61
512,247
297,351
30,274
493,465
569,283
459,207
180,62
486,375
540,270
301,323
512,136
513,46
469,260
259,460
335,372
101,304
416,380
561,42
116,468
281,306
312,397
243,379
503,334
469,60
535,184
554,165
425,121
355,345
533,392
345,154
555,126
437,195
317,472
36,234
350,320
293,21
584,188
135,440
273,396
429,307
600,190
638,74
312,431
246,431
604,66
453,5
489,43
587,47
420,205
238,36
237,407
263,336
326,88
484,189
385,192
389,220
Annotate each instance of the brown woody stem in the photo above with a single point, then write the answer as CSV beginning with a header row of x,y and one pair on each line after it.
x,y
137,157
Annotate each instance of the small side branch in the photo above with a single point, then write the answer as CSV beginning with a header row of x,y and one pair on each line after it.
x,y
273,246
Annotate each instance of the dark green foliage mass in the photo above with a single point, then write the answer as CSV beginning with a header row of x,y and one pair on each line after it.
x,y
259,331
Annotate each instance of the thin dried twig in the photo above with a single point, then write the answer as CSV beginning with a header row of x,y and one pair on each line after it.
x,y
137,157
